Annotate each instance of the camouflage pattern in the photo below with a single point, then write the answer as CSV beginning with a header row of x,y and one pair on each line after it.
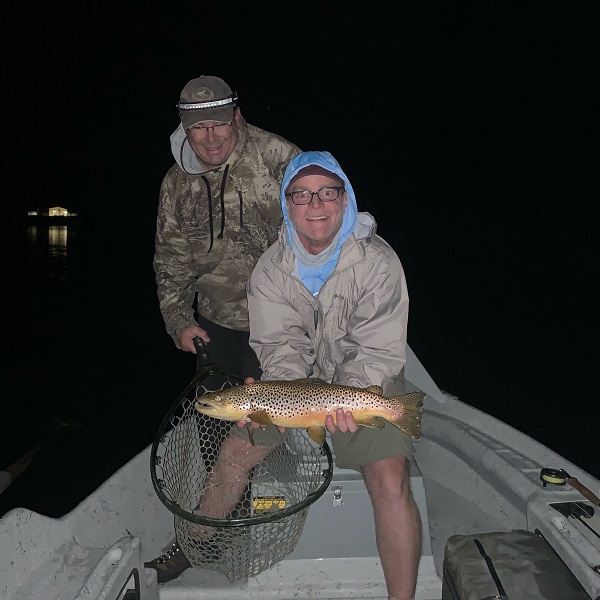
x,y
183,264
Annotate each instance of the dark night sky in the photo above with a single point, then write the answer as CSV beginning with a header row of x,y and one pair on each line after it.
x,y
468,104
469,130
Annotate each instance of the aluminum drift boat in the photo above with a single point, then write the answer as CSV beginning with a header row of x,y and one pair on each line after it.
x,y
471,474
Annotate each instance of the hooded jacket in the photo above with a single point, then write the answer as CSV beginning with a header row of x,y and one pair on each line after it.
x,y
353,331
212,226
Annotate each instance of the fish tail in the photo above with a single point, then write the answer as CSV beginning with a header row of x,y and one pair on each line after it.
x,y
408,411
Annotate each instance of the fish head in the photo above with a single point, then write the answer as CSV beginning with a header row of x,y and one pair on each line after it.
x,y
231,404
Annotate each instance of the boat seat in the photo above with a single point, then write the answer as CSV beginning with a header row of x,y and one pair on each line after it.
x,y
346,500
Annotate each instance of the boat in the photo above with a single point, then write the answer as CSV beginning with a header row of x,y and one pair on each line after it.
x,y
471,474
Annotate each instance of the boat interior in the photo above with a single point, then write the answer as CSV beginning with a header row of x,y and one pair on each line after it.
x,y
471,474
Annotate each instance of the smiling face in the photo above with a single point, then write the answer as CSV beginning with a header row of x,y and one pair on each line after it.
x,y
214,145
316,223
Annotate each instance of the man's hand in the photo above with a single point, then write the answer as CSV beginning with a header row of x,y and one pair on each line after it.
x,y
187,336
252,424
345,422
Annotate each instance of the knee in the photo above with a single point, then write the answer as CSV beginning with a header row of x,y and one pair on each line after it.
x,y
242,453
388,480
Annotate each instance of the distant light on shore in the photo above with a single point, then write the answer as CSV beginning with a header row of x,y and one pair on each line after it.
x,y
53,211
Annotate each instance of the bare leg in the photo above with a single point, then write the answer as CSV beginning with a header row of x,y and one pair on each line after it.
x,y
229,476
397,524
223,489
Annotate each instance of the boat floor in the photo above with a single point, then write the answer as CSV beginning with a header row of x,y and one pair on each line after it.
x,y
343,578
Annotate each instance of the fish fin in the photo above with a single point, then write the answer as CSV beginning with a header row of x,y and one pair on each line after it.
x,y
317,433
261,417
375,389
409,407
369,422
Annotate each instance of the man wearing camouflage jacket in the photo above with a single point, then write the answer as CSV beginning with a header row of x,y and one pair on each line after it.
x,y
219,211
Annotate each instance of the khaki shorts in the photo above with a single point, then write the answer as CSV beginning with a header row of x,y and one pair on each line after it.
x,y
369,445
352,450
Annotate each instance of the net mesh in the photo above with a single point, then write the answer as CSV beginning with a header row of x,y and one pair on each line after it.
x,y
239,499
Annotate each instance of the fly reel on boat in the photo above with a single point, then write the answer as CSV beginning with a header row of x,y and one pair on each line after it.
x,y
240,497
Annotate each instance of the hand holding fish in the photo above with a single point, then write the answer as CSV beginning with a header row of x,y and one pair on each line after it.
x,y
344,421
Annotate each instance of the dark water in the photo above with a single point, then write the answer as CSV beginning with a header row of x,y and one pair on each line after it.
x,y
509,331
85,344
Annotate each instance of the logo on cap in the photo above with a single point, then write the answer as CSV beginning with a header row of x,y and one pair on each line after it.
x,y
203,95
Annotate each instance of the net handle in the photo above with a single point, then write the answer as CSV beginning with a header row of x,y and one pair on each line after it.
x,y
202,357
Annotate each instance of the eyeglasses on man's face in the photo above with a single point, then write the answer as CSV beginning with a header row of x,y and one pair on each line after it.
x,y
324,194
219,128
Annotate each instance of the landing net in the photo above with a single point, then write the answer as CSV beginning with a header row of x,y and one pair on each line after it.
x,y
239,503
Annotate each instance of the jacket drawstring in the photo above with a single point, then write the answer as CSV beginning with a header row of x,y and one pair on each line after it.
x,y
222,198
220,236
210,215
210,211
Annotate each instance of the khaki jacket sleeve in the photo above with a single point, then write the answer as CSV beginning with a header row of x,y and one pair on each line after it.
x,y
278,334
374,347
175,277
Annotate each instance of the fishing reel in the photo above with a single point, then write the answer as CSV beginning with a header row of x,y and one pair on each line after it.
x,y
553,476
561,477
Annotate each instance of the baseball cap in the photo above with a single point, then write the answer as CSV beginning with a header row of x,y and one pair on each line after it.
x,y
206,98
314,170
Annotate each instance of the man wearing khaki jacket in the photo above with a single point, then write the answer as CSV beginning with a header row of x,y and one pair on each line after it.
x,y
329,300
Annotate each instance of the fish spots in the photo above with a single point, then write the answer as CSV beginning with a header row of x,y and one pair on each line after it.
x,y
306,403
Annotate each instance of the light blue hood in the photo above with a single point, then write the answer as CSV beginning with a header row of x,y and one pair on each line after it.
x,y
314,270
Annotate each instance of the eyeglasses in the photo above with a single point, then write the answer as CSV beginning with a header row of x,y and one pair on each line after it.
x,y
324,194
219,128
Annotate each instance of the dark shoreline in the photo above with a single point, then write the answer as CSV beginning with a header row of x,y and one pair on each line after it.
x,y
47,220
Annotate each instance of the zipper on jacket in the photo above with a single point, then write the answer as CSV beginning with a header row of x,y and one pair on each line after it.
x,y
316,318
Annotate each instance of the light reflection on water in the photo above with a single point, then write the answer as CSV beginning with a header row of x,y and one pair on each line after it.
x,y
50,242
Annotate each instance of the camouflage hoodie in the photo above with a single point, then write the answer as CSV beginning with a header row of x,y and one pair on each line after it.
x,y
212,227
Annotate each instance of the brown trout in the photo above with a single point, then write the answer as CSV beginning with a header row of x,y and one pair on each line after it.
x,y
304,403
